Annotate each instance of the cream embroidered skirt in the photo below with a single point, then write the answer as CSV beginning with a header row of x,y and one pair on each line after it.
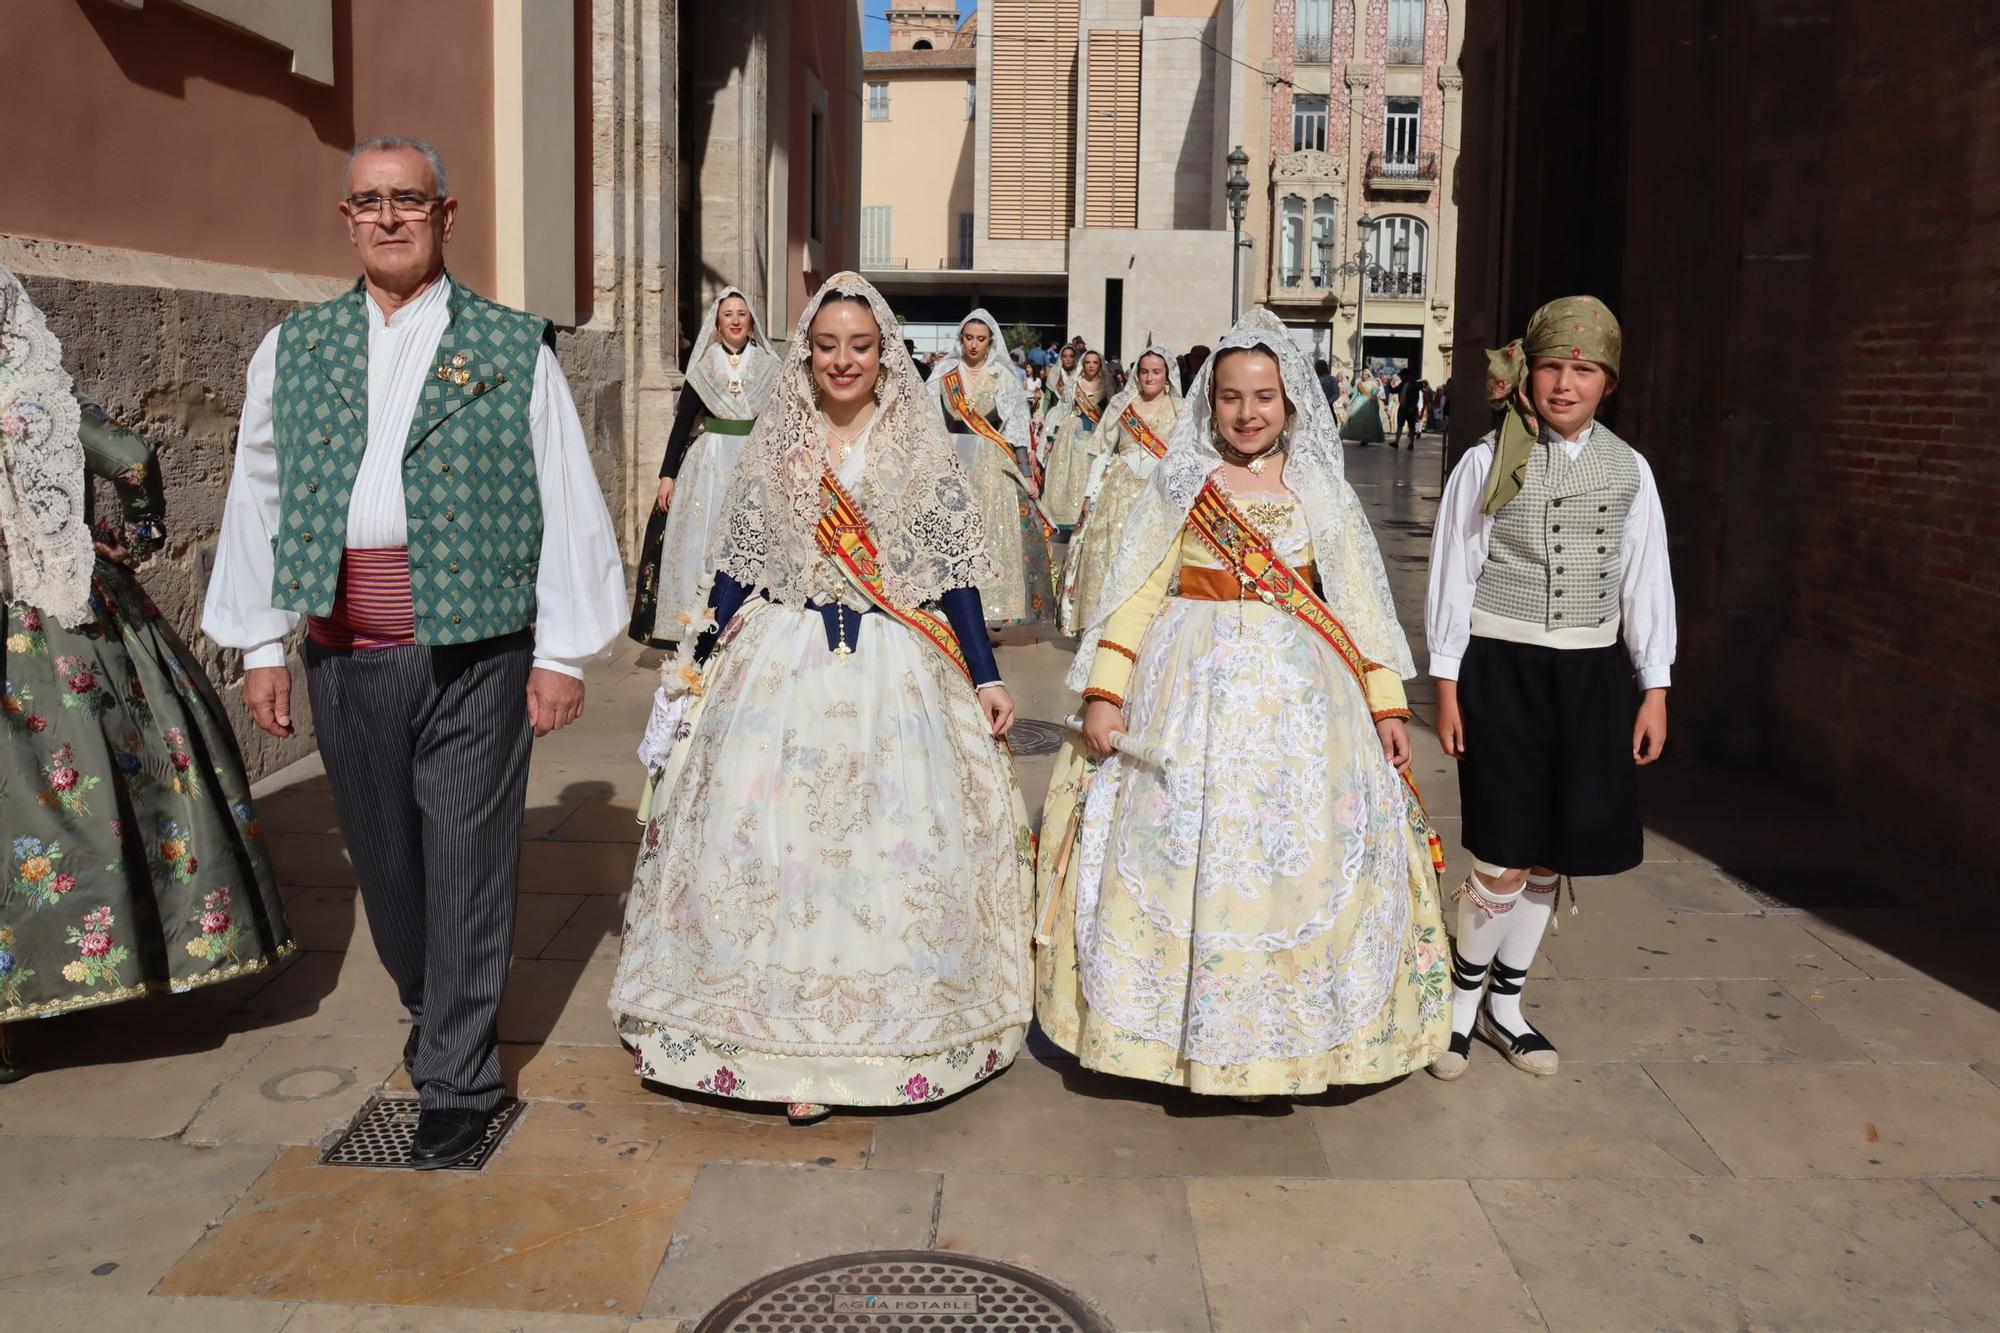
x,y
1259,915
1067,472
1023,591
684,555
1091,549
831,904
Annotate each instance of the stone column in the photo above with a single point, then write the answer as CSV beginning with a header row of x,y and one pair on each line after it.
x,y
1444,246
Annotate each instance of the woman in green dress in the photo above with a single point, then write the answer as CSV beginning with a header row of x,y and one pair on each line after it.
x,y
132,861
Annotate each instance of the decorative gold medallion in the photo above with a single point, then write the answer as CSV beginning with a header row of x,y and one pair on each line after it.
x,y
461,377
458,361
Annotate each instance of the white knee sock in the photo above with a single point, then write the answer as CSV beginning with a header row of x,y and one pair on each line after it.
x,y
1485,919
1517,949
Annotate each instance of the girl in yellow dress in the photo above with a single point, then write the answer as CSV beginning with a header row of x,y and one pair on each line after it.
x,y
1237,887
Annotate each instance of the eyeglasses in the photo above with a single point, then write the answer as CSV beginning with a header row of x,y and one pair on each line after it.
x,y
409,207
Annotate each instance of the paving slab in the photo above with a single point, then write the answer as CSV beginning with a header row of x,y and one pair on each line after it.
x,y
1914,1019
1681,885
1682,1020
389,1319
593,931
1126,1246
1840,1120
559,1000
297,1090
538,917
567,1136
1661,942
90,1312
109,1216
347,994
1043,1119
313,859
144,1084
580,1243
1369,1254
577,867
1907,945
601,821
1585,1120
1714,1254
327,918
1974,1198
742,1222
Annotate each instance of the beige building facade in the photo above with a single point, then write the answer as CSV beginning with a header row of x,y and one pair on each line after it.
x,y
919,115
1353,142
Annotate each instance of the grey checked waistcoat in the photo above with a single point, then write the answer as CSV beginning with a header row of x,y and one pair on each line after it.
x,y
470,492
1555,556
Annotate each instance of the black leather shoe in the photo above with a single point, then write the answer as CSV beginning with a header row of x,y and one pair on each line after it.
x,y
410,1049
447,1136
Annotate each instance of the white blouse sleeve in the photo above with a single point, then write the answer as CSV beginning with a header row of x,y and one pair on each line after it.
x,y
580,588
1458,553
236,611
1646,591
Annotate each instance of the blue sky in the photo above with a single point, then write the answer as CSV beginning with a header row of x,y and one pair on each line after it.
x,y
876,35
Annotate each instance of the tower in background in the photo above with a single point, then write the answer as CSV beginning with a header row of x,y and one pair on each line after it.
x,y
922,27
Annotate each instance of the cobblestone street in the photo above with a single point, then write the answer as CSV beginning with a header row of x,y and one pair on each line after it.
x,y
1779,1106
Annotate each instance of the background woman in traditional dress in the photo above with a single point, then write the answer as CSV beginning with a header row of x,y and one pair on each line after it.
x,y
1139,420
1246,902
1001,470
730,374
831,905
1363,422
131,861
1078,441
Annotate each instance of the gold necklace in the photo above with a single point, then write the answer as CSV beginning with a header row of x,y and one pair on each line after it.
x,y
846,442
1255,462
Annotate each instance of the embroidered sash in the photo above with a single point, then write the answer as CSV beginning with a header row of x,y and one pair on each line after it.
x,y
843,533
961,403
1092,410
1248,554
1142,432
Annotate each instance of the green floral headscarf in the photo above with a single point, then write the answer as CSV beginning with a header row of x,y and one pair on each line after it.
x,y
1580,327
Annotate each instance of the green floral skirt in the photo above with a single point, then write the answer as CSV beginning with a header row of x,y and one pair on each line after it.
x,y
131,860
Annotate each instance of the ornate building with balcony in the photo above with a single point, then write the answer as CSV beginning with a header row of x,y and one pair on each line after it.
x,y
1350,225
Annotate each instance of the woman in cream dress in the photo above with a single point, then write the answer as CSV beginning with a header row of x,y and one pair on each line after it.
x,y
831,900
1139,421
985,409
730,374
1244,900
1079,439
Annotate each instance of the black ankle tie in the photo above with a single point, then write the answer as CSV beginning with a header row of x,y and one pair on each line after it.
x,y
1463,974
1507,981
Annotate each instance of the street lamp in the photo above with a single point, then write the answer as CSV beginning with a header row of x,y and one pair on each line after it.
x,y
1238,190
1364,268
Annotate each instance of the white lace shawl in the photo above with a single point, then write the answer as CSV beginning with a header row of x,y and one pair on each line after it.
x,y
1128,395
1352,576
914,490
1010,396
48,549
759,374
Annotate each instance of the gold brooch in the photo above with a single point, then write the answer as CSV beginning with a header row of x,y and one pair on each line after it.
x,y
458,361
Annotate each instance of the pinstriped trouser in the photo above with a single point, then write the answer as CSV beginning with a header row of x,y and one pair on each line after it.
x,y
426,750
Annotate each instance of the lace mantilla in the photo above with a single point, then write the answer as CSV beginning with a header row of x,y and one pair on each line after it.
x,y
49,555
914,489
1355,582
758,374
1126,396
1010,399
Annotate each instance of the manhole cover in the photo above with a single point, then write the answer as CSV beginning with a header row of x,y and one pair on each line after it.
x,y
380,1135
902,1289
1030,736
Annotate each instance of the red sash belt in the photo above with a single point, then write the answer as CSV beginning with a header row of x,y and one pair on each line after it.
x,y
371,603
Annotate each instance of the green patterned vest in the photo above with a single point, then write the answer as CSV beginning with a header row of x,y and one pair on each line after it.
x,y
469,487
1556,554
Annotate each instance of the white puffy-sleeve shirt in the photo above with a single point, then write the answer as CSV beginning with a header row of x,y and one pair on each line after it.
x,y
580,585
1458,552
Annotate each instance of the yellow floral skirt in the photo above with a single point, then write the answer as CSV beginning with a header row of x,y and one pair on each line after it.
x,y
1260,915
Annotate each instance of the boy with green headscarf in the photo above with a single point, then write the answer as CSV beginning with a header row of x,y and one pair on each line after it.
x,y
1550,547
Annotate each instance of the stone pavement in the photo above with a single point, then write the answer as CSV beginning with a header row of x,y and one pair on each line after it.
x,y
1779,1107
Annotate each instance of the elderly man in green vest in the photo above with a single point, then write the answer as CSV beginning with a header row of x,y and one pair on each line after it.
x,y
411,478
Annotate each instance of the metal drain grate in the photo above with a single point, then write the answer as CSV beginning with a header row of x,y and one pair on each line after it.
x,y
902,1289
1032,737
380,1135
